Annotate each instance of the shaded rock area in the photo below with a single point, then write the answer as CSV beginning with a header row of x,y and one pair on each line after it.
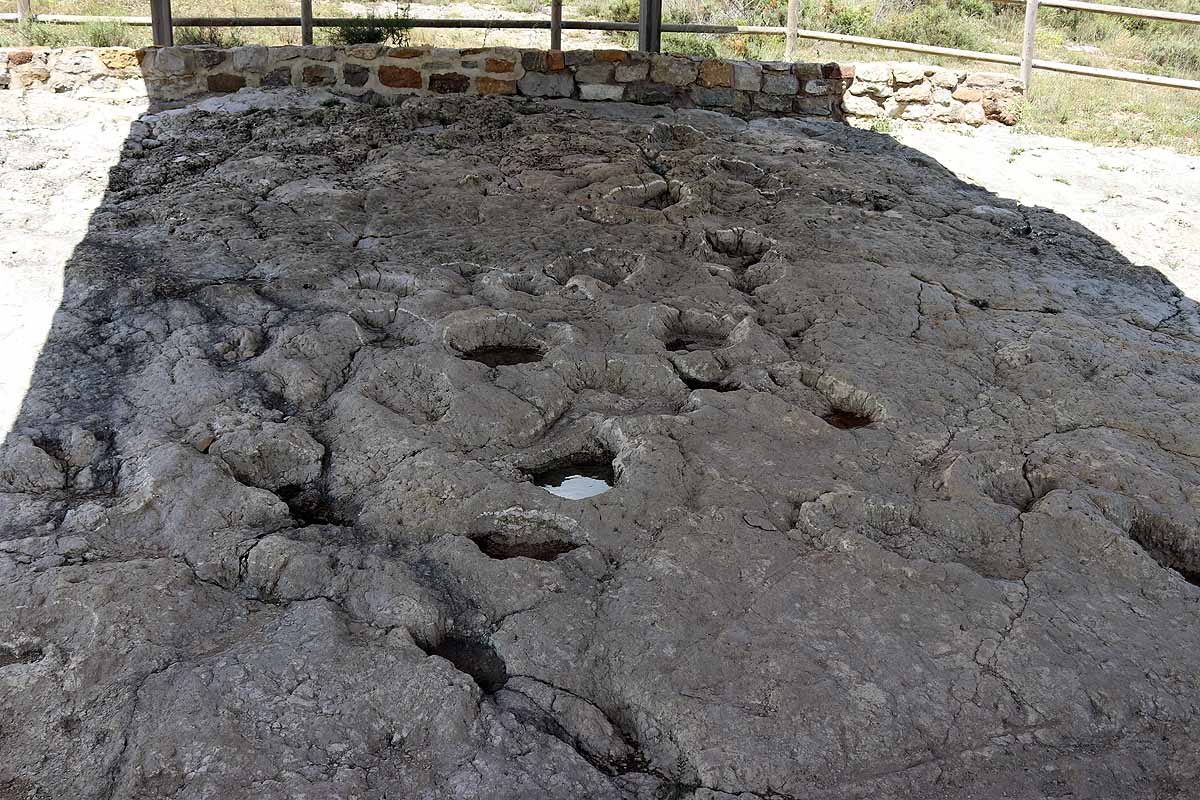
x,y
904,504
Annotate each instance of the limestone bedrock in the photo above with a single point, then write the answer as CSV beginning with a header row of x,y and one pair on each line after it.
x,y
904,492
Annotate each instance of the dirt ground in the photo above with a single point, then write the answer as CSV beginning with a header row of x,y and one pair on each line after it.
x,y
1143,201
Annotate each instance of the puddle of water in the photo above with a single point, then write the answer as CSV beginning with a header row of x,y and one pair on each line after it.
x,y
577,481
504,356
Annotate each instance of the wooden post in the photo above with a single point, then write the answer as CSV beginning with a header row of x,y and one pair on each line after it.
x,y
556,24
160,23
1031,10
24,12
161,26
306,25
793,13
650,26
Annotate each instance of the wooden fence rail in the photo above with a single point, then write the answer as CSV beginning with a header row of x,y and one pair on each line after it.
x,y
650,28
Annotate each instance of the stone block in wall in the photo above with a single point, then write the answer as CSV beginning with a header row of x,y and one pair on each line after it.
x,y
286,52
649,93
498,65
776,103
877,90
407,53
555,60
399,77
813,106
991,81
951,113
577,58
713,96
209,57
633,71
780,83
747,77
601,72
968,94
945,78
547,84
277,78
918,93
225,82
19,57
715,73
819,87
251,58
28,76
672,70
601,91
355,75
364,52
172,61
915,112
317,75
318,52
118,58
533,60
449,83
873,73
861,105
75,61
807,72
1004,108
486,85
905,72
834,71
612,56
973,114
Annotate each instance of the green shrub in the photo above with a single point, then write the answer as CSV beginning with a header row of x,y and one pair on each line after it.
x,y
216,37
980,9
1085,28
372,29
624,10
525,6
105,34
1178,53
936,25
851,20
40,34
690,44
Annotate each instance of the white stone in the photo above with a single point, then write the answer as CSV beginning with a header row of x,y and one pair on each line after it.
x,y
600,91
252,58
873,73
907,72
861,106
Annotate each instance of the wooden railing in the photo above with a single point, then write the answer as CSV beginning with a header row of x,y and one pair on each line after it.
x,y
650,28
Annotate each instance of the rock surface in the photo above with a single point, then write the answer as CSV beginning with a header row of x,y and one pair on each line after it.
x,y
906,499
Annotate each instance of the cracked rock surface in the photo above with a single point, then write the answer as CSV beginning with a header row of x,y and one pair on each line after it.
x,y
905,502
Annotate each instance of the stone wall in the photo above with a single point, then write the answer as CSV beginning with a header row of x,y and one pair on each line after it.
x,y
919,92
385,74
